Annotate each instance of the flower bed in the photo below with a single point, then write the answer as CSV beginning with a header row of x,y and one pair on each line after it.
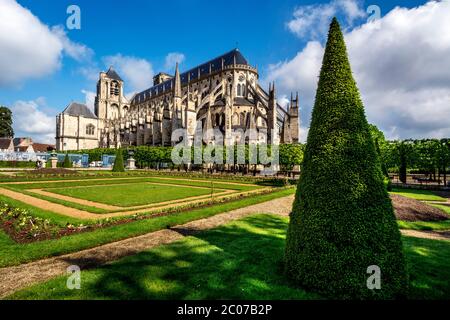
x,y
23,227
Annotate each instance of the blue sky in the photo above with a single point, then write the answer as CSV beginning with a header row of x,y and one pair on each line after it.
x,y
147,31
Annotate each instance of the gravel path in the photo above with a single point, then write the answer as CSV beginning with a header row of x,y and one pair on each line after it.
x,y
434,235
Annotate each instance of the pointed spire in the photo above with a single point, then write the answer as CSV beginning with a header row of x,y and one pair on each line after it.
x,y
177,83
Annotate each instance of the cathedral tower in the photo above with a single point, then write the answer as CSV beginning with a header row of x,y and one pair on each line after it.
x,y
110,103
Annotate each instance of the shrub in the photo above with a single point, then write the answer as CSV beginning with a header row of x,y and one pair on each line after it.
x,y
118,162
342,220
67,163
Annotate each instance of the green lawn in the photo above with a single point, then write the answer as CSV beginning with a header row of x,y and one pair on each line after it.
x,y
133,194
12,253
241,260
422,195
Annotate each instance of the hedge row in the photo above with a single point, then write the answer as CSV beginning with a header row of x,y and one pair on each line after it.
x,y
148,156
17,164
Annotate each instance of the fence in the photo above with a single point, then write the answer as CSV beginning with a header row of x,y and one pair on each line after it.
x,y
79,160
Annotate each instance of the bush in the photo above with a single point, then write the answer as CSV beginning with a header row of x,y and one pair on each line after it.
x,y
342,220
118,162
67,163
17,164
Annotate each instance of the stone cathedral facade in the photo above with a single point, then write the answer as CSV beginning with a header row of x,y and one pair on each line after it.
x,y
222,95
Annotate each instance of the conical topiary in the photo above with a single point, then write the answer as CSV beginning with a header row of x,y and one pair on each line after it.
x,y
118,162
67,163
342,220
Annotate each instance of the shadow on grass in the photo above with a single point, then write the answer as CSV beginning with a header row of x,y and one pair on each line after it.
x,y
238,261
241,260
428,264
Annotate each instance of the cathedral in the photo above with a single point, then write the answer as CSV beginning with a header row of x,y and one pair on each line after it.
x,y
221,96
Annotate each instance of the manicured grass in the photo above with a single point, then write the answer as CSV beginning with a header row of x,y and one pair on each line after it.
x,y
444,208
65,203
422,195
428,268
221,264
425,225
132,194
14,254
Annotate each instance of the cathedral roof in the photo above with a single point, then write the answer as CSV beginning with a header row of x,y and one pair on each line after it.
x,y
79,109
232,57
112,74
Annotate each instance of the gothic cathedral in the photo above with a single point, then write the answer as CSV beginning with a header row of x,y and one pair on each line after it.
x,y
222,95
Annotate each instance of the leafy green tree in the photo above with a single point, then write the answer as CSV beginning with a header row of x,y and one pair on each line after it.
x,y
342,220
67,163
118,162
6,130
290,155
402,172
377,134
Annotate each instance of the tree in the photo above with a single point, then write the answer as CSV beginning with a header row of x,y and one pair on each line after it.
x,y
377,134
342,220
118,162
402,171
67,163
6,130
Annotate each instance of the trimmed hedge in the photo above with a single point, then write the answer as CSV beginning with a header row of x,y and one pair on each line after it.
x,y
118,162
342,220
67,163
151,156
17,164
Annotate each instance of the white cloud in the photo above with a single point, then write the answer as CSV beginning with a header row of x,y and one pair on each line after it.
x,y
29,48
30,120
400,63
136,72
90,98
311,21
172,58
77,51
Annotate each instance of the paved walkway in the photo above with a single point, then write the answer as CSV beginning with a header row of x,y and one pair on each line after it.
x,y
17,277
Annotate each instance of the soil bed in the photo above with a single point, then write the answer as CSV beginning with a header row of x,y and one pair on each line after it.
x,y
407,209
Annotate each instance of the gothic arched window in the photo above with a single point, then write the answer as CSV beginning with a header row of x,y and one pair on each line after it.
x,y
90,130
114,88
239,90
217,119
235,119
242,119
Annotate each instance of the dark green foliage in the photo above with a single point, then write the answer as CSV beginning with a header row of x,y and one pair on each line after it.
x,y
118,162
402,168
342,220
67,163
6,130
17,164
152,156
